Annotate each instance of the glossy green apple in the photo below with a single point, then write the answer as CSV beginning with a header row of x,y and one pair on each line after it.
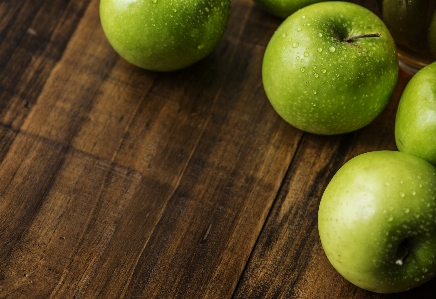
x,y
284,8
330,68
415,123
164,35
377,221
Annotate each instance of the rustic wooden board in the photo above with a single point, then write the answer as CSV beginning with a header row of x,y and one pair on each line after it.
x,y
117,182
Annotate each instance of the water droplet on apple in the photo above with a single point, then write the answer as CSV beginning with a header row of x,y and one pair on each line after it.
x,y
200,46
323,71
402,194
302,70
295,45
284,35
406,210
316,75
314,92
306,54
154,1
303,17
299,29
413,193
319,50
319,34
332,49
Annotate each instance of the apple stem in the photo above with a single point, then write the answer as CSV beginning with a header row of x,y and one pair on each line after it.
x,y
353,38
400,261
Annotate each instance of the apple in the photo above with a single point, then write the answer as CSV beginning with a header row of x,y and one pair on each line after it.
x,y
162,35
330,68
284,8
415,122
377,221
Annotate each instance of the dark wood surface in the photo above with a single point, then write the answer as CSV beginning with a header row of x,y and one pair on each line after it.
x,y
116,182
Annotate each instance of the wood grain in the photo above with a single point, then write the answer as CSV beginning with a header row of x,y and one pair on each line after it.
x,y
116,182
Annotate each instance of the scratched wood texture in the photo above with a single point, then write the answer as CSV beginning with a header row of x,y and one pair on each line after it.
x,y
116,182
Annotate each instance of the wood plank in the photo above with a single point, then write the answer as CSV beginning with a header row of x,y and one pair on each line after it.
x,y
52,238
193,222
33,37
176,167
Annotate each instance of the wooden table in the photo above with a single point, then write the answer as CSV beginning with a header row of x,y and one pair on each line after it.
x,y
116,182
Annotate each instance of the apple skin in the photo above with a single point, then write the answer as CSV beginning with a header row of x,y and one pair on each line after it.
x,y
377,205
415,122
322,84
162,35
284,8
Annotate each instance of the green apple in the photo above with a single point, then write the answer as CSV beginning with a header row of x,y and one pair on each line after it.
x,y
330,68
415,122
377,221
284,8
164,35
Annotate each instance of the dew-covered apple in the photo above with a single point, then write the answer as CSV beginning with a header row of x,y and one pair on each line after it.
x,y
330,68
164,35
377,221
